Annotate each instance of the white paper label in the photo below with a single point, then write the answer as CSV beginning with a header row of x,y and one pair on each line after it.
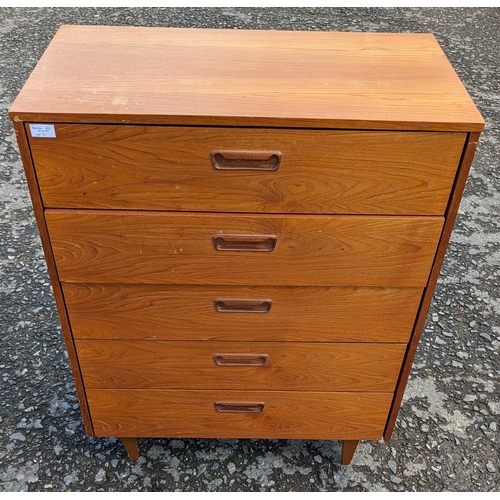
x,y
39,130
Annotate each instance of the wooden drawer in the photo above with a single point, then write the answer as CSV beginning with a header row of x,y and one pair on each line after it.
x,y
321,171
142,364
283,415
154,247
190,312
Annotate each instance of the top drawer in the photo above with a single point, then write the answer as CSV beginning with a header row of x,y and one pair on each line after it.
x,y
320,171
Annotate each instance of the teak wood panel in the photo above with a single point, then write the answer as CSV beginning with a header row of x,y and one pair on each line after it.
x,y
120,74
125,247
284,415
188,312
142,364
321,171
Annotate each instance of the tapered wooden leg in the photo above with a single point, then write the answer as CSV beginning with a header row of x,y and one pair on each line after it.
x,y
348,450
130,445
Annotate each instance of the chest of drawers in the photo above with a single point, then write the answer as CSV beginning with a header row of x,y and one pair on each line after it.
x,y
243,229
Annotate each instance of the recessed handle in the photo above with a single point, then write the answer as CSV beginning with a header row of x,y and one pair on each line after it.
x,y
246,160
237,407
244,242
238,359
243,305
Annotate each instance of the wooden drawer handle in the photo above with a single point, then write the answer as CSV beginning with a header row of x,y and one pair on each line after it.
x,y
243,305
244,242
237,359
246,160
237,407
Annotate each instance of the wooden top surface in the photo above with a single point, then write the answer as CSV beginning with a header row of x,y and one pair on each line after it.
x,y
103,74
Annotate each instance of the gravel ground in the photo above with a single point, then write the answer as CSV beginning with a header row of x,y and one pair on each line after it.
x,y
446,438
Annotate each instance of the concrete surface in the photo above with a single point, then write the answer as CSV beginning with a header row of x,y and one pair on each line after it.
x,y
446,437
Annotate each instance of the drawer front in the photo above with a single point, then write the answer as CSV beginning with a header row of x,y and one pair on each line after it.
x,y
321,171
238,414
153,247
238,313
142,364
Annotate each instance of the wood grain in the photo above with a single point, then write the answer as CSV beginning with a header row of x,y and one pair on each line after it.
x,y
142,364
286,415
162,312
237,77
153,247
322,171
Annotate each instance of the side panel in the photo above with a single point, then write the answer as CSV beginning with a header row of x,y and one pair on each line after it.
x,y
54,278
451,214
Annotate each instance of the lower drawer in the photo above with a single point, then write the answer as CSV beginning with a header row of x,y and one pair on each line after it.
x,y
241,313
134,364
238,414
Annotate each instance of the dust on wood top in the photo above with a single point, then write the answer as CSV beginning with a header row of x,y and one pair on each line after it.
x,y
246,78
